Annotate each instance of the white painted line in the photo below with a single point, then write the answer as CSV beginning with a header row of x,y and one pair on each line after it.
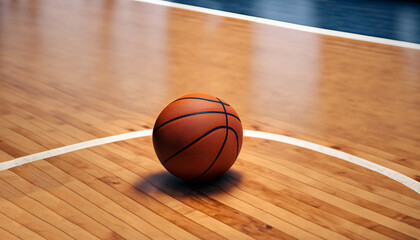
x,y
71,148
411,183
286,25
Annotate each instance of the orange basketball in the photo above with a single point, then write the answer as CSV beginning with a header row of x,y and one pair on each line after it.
x,y
197,137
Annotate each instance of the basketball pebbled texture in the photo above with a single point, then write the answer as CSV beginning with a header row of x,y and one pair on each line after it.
x,y
197,137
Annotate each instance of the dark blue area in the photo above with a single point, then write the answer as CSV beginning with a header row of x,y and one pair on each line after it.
x,y
398,20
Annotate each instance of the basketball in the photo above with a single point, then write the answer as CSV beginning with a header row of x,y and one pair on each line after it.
x,y
197,137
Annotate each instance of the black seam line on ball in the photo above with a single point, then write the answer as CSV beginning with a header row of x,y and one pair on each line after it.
x,y
199,98
223,145
193,114
237,141
196,140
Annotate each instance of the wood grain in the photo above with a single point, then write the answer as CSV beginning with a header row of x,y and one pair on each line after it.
x,y
72,71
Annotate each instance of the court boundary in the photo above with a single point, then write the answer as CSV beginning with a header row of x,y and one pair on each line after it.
x,y
293,26
407,181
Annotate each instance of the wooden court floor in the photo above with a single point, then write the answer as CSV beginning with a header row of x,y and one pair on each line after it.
x,y
72,71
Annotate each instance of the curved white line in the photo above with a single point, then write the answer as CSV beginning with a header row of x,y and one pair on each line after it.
x,y
293,26
71,148
410,183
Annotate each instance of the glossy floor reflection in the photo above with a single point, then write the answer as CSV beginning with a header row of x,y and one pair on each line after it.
x,y
72,71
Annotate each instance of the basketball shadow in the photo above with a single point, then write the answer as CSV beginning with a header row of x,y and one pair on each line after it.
x,y
169,184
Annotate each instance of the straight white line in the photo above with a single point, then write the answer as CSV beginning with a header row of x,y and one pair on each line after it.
x,y
414,185
287,25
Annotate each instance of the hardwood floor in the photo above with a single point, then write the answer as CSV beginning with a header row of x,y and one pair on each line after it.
x,y
72,71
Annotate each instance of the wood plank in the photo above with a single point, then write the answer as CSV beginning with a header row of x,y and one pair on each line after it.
x,y
30,221
17,229
60,207
7,235
340,207
83,71
38,209
96,212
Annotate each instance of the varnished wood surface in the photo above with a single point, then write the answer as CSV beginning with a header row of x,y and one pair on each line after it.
x,y
72,71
